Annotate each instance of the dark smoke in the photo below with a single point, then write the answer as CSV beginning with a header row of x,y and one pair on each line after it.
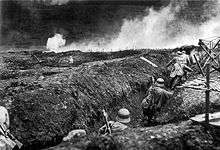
x,y
32,22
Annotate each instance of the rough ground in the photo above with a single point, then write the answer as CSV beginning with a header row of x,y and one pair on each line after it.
x,y
48,96
179,136
39,98
189,102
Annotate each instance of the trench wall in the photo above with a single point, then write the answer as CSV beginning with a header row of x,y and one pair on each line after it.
x,y
44,109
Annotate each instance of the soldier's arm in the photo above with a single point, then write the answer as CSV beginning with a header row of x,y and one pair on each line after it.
x,y
7,118
168,93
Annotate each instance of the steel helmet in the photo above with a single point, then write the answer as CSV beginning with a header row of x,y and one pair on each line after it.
x,y
160,82
123,116
179,53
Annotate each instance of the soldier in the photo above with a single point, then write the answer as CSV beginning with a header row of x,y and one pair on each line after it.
x,y
5,141
186,58
186,63
122,119
155,99
179,68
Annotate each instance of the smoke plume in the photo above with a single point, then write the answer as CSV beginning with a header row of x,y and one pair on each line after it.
x,y
58,2
171,26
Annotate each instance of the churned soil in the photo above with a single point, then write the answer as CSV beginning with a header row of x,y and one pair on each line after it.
x,y
46,102
179,136
48,95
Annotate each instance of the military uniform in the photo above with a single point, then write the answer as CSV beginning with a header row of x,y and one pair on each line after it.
x,y
123,118
180,68
153,102
5,142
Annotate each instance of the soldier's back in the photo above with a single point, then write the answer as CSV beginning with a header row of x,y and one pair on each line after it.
x,y
118,126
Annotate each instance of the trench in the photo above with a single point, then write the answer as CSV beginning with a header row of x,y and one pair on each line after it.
x,y
134,99
93,113
86,90
94,122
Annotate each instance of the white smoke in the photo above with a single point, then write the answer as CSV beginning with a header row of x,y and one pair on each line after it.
x,y
52,2
58,2
159,29
56,42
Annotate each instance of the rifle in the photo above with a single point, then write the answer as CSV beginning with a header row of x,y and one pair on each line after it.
x,y
106,121
8,134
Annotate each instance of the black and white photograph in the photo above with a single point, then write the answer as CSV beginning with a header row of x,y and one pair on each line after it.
x,y
109,74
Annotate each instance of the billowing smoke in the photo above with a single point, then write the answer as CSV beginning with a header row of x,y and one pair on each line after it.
x,y
55,42
109,26
54,2
59,2
171,26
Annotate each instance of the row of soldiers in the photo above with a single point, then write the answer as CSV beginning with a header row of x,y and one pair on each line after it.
x,y
156,96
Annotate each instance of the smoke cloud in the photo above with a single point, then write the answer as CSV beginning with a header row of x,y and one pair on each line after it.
x,y
59,2
171,26
53,2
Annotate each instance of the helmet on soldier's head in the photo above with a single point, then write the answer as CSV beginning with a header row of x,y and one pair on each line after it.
x,y
179,52
123,116
160,82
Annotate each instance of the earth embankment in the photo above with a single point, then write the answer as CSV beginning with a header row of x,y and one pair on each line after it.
x,y
45,103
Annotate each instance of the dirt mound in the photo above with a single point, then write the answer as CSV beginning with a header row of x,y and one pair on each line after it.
x,y
39,102
51,101
26,59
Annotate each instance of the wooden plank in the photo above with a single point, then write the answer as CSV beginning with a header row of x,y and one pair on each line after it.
x,y
204,58
198,64
193,87
207,95
209,54
217,55
201,117
207,60
197,88
203,79
214,119
215,122
216,44
154,65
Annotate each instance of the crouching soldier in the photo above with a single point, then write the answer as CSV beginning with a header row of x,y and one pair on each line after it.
x,y
155,99
7,140
122,119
